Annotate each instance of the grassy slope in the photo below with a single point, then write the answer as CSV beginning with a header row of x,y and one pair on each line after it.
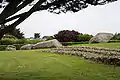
x,y
105,45
34,65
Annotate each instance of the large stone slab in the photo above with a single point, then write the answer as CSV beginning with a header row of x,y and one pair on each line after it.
x,y
47,44
27,47
101,37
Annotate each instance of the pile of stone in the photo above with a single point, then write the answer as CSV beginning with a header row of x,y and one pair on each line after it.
x,y
100,55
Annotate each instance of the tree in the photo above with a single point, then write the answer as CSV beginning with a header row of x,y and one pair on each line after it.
x,y
56,6
67,36
116,36
16,32
36,35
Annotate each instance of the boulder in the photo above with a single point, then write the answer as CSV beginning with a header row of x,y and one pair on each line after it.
x,y
47,44
101,37
27,47
10,48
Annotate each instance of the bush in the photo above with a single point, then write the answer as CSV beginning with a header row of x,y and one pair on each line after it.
x,y
20,41
116,36
7,41
67,36
18,46
49,38
16,42
73,43
32,41
113,41
3,47
84,37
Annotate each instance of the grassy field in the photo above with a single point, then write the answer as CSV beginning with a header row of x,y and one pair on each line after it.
x,y
104,45
35,65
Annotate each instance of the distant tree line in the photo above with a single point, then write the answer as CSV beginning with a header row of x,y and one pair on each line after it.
x,y
116,36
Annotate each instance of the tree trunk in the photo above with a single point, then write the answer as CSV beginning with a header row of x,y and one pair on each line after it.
x,y
1,35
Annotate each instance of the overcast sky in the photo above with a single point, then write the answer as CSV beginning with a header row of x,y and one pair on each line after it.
x,y
105,18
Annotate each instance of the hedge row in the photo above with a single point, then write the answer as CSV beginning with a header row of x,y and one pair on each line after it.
x,y
73,43
18,46
100,55
3,47
113,41
17,41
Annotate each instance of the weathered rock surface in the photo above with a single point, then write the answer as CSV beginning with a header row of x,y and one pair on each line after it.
x,y
10,48
27,47
47,44
101,37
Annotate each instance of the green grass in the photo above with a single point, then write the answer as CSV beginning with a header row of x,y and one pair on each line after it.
x,y
35,65
104,45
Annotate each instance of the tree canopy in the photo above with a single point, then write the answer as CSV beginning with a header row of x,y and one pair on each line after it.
x,y
11,7
67,36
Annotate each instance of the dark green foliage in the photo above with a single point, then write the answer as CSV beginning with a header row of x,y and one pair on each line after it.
x,y
18,46
84,37
114,41
17,41
7,41
17,33
20,41
73,43
36,35
67,36
116,36
72,36
33,41
3,47
49,38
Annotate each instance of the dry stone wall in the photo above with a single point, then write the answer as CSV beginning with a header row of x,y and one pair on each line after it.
x,y
100,55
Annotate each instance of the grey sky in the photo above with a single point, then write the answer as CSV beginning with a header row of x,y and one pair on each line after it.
x,y
105,18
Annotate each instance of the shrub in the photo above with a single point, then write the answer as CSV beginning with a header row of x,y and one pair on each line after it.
x,y
3,47
113,41
116,36
7,41
18,46
17,33
33,41
49,38
67,36
84,37
73,43
20,41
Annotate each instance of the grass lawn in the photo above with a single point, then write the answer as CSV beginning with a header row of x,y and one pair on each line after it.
x,y
35,65
104,45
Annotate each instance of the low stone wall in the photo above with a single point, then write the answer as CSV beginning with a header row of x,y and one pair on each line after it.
x,y
100,55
